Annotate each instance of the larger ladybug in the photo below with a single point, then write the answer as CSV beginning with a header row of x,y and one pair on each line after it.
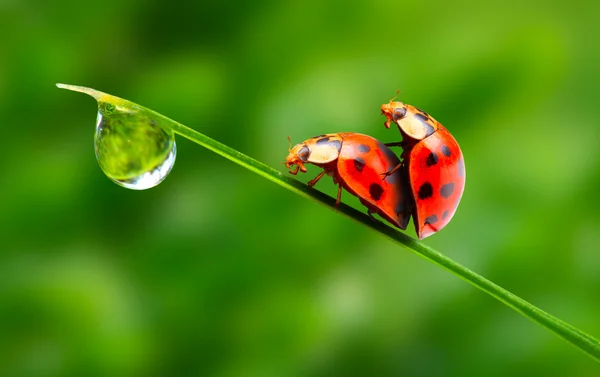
x,y
357,163
434,163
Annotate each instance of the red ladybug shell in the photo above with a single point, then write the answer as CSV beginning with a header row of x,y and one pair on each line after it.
x,y
435,166
436,173
362,162
359,167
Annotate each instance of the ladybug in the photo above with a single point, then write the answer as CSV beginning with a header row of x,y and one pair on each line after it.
x,y
357,163
434,165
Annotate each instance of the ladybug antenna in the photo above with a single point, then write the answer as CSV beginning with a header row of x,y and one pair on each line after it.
x,y
396,96
290,147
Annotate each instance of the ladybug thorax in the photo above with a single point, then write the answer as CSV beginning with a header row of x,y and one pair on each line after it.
x,y
323,149
416,124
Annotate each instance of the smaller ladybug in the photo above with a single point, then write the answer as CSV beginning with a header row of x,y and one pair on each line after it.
x,y
433,162
357,163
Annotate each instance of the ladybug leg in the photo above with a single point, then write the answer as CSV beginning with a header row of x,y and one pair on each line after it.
x,y
294,172
387,174
396,144
370,213
339,196
402,144
314,181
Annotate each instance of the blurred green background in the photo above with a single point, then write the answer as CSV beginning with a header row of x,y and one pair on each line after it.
x,y
218,272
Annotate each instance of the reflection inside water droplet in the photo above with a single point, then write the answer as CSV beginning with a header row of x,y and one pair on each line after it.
x,y
131,148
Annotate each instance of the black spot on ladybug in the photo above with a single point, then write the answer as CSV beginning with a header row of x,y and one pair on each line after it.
x,y
399,112
446,151
327,140
445,214
431,219
422,112
303,154
447,190
461,167
428,127
363,148
421,117
375,190
432,159
336,143
359,164
425,191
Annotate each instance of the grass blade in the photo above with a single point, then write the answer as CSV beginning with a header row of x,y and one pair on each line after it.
x,y
576,337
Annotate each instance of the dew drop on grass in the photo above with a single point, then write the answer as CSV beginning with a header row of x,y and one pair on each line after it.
x,y
132,147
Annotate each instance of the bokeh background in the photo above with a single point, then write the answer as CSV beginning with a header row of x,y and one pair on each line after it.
x,y
219,272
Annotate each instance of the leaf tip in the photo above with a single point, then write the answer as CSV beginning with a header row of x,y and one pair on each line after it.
x,y
82,89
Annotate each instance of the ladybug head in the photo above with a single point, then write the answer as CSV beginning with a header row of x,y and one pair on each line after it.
x,y
393,111
319,150
297,157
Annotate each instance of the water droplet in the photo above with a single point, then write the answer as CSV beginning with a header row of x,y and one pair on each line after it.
x,y
131,148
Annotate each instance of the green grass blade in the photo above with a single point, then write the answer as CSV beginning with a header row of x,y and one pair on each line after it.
x,y
576,337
